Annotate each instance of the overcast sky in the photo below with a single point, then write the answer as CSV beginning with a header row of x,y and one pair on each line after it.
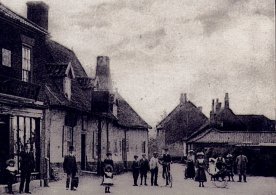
x,y
161,48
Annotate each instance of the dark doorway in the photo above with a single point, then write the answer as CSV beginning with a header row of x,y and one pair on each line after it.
x,y
4,143
83,151
124,153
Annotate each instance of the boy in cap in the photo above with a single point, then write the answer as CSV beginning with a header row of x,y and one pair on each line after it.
x,y
144,168
154,169
70,168
11,172
135,170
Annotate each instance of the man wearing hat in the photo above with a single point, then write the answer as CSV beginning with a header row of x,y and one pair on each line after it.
x,y
154,169
27,165
11,172
229,163
166,162
144,168
135,170
70,167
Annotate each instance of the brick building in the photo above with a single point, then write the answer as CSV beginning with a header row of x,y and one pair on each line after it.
x,y
48,100
21,107
227,132
174,129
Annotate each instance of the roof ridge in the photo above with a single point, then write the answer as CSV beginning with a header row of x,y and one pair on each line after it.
x,y
120,96
24,18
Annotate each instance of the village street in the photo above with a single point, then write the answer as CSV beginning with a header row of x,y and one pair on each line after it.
x,y
123,186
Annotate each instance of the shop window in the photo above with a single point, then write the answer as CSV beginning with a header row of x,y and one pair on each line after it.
x,y
26,64
6,57
25,132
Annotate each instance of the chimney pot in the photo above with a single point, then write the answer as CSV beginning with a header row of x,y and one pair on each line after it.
x,y
226,101
37,12
183,98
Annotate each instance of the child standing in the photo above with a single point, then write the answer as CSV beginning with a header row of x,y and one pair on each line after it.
x,y
11,172
200,173
108,178
212,170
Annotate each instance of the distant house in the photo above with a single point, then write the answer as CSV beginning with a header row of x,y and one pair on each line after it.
x,y
227,132
174,129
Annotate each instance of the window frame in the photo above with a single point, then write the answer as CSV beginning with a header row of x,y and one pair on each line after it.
x,y
2,57
26,65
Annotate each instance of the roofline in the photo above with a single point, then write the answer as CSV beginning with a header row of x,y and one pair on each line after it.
x,y
37,27
179,105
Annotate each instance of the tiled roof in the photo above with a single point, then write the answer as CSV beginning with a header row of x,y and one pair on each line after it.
x,y
185,119
59,54
54,96
229,120
57,70
127,116
234,137
9,14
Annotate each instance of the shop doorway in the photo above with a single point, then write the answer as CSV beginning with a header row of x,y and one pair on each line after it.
x,y
83,151
4,143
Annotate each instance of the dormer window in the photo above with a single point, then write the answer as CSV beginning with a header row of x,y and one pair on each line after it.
x,y
67,87
67,84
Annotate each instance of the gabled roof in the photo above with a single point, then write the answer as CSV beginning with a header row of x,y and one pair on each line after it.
x,y
16,18
127,116
187,107
60,70
60,55
229,120
54,96
182,122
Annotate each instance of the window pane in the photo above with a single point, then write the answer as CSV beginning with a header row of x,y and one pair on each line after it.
x,y
27,125
6,57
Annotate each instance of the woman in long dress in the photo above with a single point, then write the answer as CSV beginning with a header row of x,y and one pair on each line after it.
x,y
190,170
200,172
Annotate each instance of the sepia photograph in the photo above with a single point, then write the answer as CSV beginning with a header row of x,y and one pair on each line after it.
x,y
137,97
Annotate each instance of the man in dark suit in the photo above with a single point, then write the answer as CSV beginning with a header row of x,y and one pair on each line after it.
x,y
70,167
166,161
27,165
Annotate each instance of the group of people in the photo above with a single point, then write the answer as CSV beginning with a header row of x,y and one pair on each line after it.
x,y
27,165
142,166
218,168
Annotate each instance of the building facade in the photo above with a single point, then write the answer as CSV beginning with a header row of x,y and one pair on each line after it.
x,y
21,109
47,100
174,129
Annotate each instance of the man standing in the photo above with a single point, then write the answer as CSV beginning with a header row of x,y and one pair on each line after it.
x,y
144,168
166,162
241,162
154,169
26,167
70,167
135,170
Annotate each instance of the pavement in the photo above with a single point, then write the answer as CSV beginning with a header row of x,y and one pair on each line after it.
x,y
90,185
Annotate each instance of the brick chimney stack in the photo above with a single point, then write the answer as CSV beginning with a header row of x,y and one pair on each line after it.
x,y
226,101
103,73
37,12
183,98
